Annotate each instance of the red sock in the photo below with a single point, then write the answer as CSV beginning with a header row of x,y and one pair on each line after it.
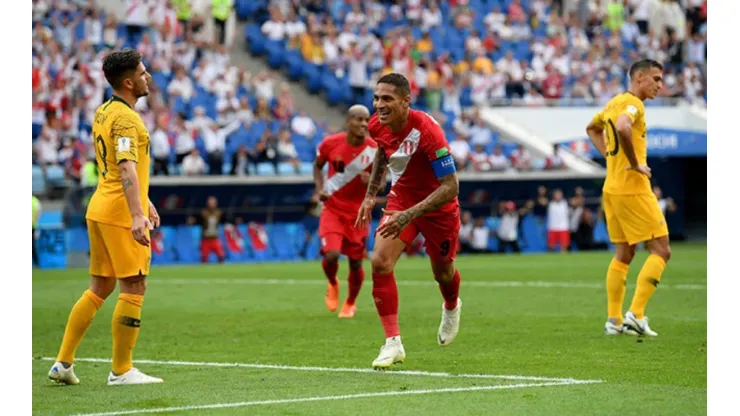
x,y
385,294
330,270
355,283
450,291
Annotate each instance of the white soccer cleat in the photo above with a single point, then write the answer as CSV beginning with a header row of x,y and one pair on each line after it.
x,y
390,353
61,375
132,376
450,324
612,329
640,326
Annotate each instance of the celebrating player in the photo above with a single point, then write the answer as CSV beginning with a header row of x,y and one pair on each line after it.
x,y
119,218
422,199
350,156
630,207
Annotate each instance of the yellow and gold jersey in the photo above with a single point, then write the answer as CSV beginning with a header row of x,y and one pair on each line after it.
x,y
119,134
619,180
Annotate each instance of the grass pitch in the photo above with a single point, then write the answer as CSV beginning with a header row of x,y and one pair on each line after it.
x,y
257,339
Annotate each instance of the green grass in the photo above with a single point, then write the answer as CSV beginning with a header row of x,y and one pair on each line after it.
x,y
520,317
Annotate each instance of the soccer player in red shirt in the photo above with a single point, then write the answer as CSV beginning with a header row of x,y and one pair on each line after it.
x,y
422,199
350,155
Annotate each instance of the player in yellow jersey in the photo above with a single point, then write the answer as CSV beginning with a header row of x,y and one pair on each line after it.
x,y
631,208
119,218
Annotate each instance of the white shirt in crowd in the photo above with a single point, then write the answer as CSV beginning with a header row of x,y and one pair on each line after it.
x,y
160,144
460,149
479,240
193,165
215,141
558,218
303,125
508,228
274,31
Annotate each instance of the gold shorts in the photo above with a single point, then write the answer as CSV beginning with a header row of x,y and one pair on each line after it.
x,y
633,218
115,253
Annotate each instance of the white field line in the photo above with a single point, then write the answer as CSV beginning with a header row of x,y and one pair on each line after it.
x,y
341,370
399,282
331,398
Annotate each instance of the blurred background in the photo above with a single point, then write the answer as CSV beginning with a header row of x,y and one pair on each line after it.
x,y
244,90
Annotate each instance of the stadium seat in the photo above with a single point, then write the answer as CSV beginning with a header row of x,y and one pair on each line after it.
x,y
38,182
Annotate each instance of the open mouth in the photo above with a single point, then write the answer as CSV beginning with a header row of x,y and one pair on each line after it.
x,y
383,114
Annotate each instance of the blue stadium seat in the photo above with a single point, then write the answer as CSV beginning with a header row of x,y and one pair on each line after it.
x,y
265,169
38,182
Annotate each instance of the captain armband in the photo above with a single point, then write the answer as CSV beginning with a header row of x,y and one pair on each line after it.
x,y
443,166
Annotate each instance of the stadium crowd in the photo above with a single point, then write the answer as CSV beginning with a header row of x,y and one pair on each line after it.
x,y
208,116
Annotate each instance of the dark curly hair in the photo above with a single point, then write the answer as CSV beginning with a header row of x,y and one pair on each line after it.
x,y
118,65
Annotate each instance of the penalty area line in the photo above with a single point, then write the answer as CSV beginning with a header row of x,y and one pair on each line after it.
x,y
340,397
341,370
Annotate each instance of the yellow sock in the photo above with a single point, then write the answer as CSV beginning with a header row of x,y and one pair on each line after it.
x,y
126,322
616,281
80,318
647,282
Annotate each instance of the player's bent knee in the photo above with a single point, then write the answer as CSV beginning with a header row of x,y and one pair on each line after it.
x,y
355,264
331,256
624,253
102,286
381,263
660,248
443,273
134,285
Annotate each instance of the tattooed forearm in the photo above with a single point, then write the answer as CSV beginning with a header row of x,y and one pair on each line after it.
x,y
377,176
126,182
130,184
447,191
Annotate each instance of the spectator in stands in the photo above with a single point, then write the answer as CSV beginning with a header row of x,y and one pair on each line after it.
x,y
497,160
214,139
555,160
508,228
244,112
466,232
431,16
583,237
480,133
479,236
184,137
558,224
267,150
240,161
521,158
667,204
460,150
479,159
286,150
304,125
262,112
210,219
193,164
160,146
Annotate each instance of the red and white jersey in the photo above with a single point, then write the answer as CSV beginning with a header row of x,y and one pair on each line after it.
x,y
343,184
410,154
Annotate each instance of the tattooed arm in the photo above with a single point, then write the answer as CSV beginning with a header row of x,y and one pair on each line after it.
x,y
377,176
448,189
377,180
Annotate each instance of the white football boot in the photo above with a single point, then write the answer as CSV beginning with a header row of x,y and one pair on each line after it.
x,y
132,376
640,326
390,353
450,324
61,375
611,328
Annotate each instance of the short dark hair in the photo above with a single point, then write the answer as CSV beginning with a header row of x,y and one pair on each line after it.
x,y
397,80
644,65
118,65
